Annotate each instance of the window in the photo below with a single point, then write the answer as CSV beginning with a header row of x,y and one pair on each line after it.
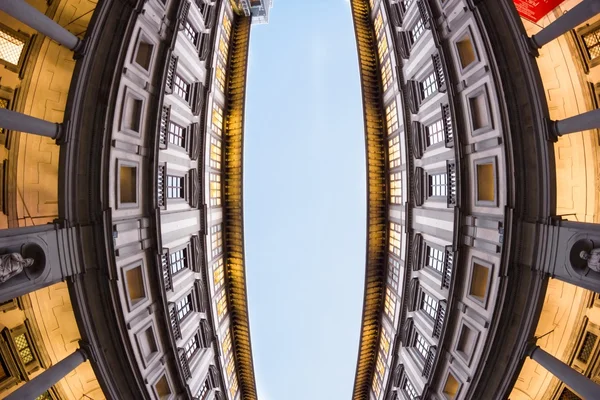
x,y
215,153
177,134
191,33
215,190
486,183
382,47
480,278
226,344
131,117
428,86
12,44
226,25
466,50
416,31
384,344
203,393
233,388
178,261
390,303
135,286
438,185
184,307
218,274
591,42
435,133
175,187
23,348
386,74
221,305
421,345
216,238
230,368
378,21
127,184
393,273
467,339
143,55
391,117
587,347
380,366
146,341
481,119
429,305
191,347
162,387
396,188
223,48
181,88
435,259
220,75
376,386
451,387
395,238
409,389
394,151
217,119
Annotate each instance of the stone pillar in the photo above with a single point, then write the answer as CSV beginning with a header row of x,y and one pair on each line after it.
x,y
578,123
584,386
577,15
16,121
30,16
49,377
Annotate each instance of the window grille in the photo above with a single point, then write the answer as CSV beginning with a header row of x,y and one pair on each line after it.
x,y
587,347
11,46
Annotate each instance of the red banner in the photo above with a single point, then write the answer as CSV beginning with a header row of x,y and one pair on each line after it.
x,y
534,10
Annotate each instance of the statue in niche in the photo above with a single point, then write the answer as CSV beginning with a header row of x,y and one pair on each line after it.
x,y
12,264
593,258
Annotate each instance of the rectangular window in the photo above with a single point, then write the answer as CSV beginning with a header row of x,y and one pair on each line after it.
x,y
215,190
486,183
417,30
226,25
386,74
382,47
391,117
421,345
23,348
409,390
127,184
378,21
435,259
178,261
215,153
376,386
429,305
191,33
591,41
226,344
181,88
396,188
204,390
438,185
380,366
385,343
223,48
177,134
184,307
393,273
220,74
12,45
394,151
221,305
390,303
216,238
175,187
191,347
217,119
233,388
218,274
230,368
428,86
395,238
435,132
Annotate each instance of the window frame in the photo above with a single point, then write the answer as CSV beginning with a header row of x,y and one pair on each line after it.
x,y
579,34
483,161
25,39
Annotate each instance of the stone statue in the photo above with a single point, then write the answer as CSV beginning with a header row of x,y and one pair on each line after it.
x,y
12,264
592,258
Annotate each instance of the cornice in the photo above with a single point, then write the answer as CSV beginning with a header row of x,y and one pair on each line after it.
x,y
376,197
233,216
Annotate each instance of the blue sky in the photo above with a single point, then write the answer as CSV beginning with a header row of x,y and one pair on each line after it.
x,y
305,201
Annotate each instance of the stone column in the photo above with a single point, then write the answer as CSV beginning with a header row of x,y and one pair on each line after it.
x,y
16,121
578,123
577,15
49,377
584,386
30,16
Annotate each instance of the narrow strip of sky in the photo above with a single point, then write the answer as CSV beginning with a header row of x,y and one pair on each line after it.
x,y
305,201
